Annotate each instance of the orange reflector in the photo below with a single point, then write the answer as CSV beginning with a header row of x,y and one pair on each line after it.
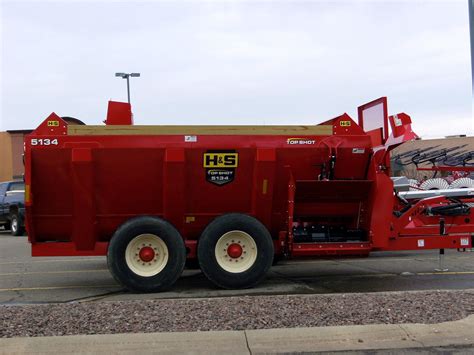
x,y
27,194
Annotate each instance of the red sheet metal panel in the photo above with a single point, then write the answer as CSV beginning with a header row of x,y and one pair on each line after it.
x,y
81,188
119,113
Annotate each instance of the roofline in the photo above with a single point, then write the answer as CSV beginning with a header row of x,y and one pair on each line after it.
x,y
26,131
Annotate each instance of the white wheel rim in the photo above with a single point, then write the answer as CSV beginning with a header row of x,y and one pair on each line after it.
x,y
14,224
248,248
135,252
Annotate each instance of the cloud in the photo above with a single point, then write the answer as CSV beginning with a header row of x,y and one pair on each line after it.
x,y
237,62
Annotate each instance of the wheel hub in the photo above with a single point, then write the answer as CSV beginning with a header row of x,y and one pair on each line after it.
x,y
146,254
234,250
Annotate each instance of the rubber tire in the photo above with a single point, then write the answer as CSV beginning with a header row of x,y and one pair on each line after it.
x,y
206,251
20,229
122,237
277,259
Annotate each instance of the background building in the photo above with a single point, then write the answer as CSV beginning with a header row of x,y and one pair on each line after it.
x,y
11,154
449,151
11,151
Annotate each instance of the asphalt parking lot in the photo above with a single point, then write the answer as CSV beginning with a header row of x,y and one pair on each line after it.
x,y
24,279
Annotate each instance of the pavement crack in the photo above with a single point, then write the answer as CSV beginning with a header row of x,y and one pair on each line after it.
x,y
295,281
409,336
361,267
94,297
247,342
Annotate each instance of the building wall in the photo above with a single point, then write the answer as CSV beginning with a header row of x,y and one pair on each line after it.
x,y
6,166
11,155
18,168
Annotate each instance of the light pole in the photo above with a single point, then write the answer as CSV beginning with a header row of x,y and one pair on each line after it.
x,y
127,76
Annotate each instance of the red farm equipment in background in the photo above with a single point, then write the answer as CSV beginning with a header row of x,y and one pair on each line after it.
x,y
231,197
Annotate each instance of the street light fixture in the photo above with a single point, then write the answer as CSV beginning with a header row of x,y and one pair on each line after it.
x,y
127,76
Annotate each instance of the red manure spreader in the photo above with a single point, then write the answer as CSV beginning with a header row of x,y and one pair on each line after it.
x,y
232,198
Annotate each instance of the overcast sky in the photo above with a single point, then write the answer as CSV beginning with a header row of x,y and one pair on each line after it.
x,y
267,62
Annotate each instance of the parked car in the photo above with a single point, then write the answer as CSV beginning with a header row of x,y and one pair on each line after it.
x,y
12,206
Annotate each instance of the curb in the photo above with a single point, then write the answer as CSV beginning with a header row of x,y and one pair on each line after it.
x,y
268,341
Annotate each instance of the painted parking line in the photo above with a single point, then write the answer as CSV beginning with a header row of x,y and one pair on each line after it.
x,y
372,275
366,260
51,261
446,273
52,272
339,275
56,288
283,262
117,286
